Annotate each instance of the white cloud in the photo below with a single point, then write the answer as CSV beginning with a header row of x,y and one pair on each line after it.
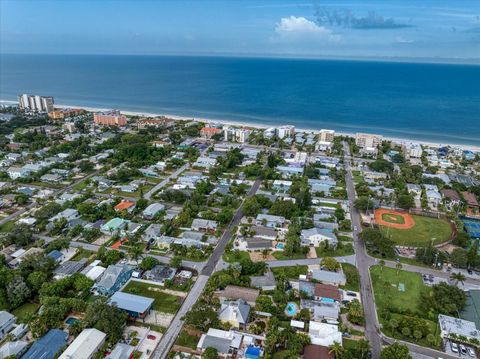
x,y
402,40
299,27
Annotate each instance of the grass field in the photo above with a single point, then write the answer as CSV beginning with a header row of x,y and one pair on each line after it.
x,y
281,256
187,340
164,302
422,233
386,284
353,279
343,249
393,218
25,311
290,272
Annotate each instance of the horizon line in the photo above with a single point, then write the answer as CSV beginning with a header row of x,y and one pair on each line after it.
x,y
397,59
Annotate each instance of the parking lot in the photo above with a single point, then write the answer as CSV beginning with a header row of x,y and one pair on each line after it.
x,y
459,350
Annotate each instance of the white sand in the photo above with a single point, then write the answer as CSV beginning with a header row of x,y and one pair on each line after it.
x,y
262,126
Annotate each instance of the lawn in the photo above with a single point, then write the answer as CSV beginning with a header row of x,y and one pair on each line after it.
x,y
387,289
422,233
353,279
343,249
82,253
164,302
7,227
281,256
187,340
290,272
25,311
235,256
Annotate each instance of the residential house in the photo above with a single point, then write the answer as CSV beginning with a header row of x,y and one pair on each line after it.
x,y
152,233
18,172
281,185
232,292
114,277
225,342
205,162
13,349
85,345
152,210
326,311
121,351
315,236
204,225
289,171
327,293
115,225
209,132
135,306
57,256
471,200
451,197
317,352
264,282
160,273
266,233
125,205
68,268
328,277
47,346
324,334
7,321
68,214
270,221
434,198
235,313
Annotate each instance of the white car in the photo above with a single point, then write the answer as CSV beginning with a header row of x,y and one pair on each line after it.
x,y
471,352
454,347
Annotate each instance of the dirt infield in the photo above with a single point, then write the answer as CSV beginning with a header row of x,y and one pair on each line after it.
x,y
393,219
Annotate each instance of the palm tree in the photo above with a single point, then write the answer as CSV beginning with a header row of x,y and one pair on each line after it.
x,y
381,263
336,349
398,266
458,277
135,252
363,348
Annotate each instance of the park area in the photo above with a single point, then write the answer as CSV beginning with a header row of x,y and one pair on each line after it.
x,y
398,291
412,230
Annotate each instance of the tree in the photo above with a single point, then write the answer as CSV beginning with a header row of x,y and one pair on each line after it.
x,y
405,201
210,353
336,349
398,267
176,262
330,264
457,277
381,263
106,318
135,252
148,263
36,279
363,203
17,292
443,298
459,257
395,351
21,235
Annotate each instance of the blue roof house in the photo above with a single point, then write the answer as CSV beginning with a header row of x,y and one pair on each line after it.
x,y
114,277
136,306
47,346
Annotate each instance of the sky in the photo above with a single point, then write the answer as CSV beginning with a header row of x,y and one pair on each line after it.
x,y
411,29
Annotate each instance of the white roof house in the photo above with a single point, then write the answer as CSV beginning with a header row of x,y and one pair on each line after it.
x,y
324,334
315,236
152,210
452,325
85,345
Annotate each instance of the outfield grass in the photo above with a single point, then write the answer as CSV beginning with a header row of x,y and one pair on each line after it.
x,y
164,302
422,233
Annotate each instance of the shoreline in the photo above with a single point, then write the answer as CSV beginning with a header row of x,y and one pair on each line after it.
x,y
399,140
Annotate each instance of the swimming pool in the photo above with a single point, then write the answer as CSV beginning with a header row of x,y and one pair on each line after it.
x,y
280,245
291,309
72,320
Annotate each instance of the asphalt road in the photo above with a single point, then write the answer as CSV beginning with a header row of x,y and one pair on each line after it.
x,y
364,261
168,339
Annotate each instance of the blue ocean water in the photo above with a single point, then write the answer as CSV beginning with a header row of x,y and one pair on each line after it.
x,y
433,102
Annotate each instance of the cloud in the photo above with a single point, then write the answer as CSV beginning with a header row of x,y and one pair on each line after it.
x,y
347,19
402,40
300,27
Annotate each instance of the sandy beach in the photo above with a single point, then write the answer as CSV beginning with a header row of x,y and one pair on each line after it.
x,y
261,126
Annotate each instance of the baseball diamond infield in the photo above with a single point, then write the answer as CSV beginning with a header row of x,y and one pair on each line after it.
x,y
393,219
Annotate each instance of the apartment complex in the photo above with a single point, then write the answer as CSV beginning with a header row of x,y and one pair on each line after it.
x,y
326,135
35,103
368,141
60,114
154,122
286,131
110,118
236,134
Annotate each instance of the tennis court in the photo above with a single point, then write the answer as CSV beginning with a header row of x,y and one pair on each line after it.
x,y
472,227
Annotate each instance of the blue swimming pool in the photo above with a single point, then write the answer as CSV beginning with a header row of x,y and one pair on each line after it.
x,y
72,320
291,309
280,245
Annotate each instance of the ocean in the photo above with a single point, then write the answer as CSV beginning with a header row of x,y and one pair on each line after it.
x,y
421,101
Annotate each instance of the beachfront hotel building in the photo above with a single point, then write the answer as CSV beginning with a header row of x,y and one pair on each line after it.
x,y
209,132
287,131
326,135
35,103
236,134
110,118
154,122
368,141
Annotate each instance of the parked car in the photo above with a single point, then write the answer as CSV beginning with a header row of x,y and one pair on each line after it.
x,y
463,350
454,347
471,352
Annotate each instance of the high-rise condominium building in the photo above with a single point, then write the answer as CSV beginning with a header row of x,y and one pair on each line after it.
x,y
35,103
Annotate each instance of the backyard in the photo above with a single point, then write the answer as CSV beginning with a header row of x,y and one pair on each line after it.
x,y
164,302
